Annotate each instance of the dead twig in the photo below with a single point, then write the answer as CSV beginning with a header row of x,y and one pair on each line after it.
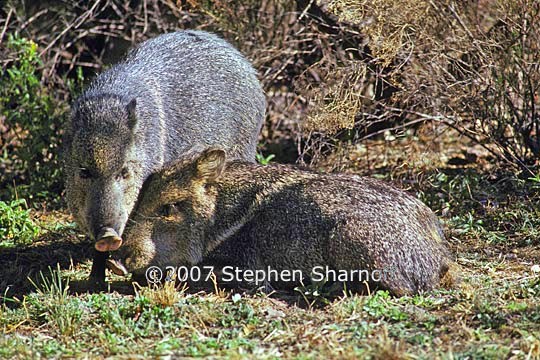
x,y
6,25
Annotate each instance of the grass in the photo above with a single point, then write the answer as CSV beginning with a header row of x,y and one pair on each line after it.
x,y
500,320
491,219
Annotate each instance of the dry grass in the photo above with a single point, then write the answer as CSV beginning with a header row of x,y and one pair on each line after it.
x,y
336,105
166,294
392,26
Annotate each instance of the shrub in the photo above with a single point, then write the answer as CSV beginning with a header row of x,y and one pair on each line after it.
x,y
470,65
30,123
16,225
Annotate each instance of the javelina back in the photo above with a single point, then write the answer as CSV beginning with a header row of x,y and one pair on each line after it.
x,y
170,92
256,217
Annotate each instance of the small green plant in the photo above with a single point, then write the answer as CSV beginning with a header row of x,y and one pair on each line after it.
x,y
261,159
535,180
59,307
468,224
321,292
488,314
381,305
16,224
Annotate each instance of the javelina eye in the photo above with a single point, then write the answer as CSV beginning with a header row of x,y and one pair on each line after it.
x,y
84,173
124,174
171,209
167,210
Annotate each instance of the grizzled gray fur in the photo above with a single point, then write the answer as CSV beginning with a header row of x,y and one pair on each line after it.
x,y
204,209
167,94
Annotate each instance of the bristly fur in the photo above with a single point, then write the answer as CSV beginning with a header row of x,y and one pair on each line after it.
x,y
169,93
254,216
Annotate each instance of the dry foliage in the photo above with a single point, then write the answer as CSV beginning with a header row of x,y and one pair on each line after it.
x,y
471,65
390,25
335,106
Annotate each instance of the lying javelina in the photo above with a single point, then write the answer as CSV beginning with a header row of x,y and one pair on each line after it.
x,y
169,93
255,217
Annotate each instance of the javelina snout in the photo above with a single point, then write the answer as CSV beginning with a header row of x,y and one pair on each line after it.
x,y
106,218
258,217
108,240
106,203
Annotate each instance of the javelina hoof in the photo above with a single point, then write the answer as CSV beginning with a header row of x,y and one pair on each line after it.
x,y
108,240
116,267
97,274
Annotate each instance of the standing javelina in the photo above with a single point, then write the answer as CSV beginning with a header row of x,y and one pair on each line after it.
x,y
168,93
256,217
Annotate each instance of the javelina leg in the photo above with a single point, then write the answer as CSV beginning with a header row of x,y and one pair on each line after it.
x,y
97,274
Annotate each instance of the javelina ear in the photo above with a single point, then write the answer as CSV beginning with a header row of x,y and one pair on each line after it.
x,y
132,114
211,163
